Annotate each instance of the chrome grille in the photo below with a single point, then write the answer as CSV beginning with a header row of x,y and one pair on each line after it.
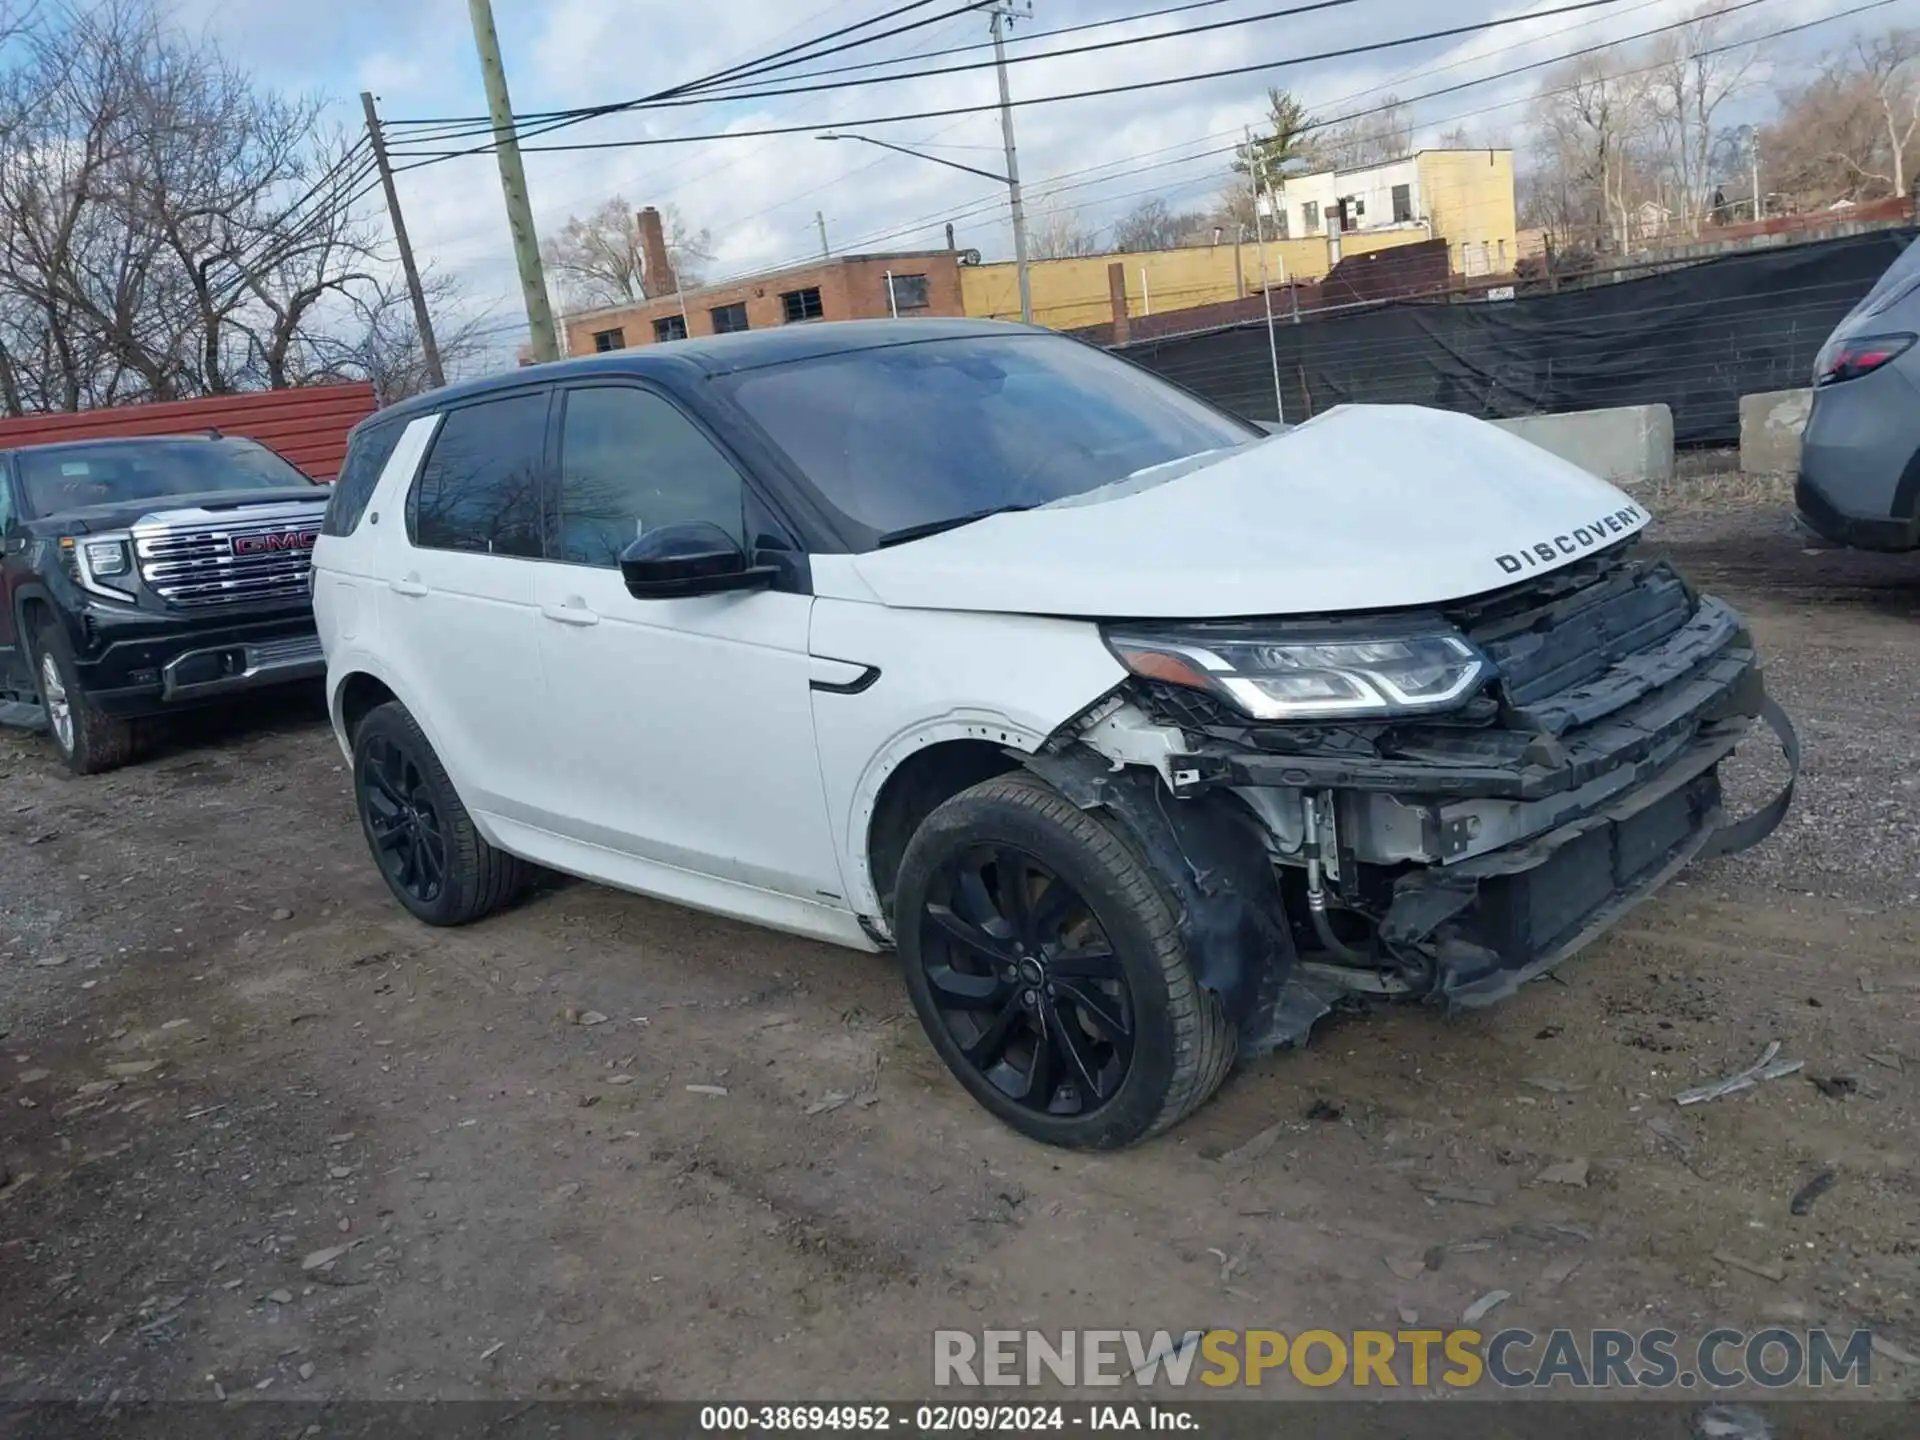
x,y
224,557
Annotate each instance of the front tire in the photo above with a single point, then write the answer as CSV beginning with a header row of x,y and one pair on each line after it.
x,y
1044,959
423,841
89,740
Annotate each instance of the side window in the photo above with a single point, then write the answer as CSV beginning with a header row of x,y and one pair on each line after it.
x,y
7,511
630,463
480,488
367,456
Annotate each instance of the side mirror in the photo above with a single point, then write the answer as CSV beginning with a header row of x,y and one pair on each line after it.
x,y
695,557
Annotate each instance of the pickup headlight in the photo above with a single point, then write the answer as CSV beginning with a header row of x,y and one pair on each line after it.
x,y
107,557
1311,677
103,564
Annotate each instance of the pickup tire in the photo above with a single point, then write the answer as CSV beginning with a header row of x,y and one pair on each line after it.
x,y
424,843
89,740
1043,956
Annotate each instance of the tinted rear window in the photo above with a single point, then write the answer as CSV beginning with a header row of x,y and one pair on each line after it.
x,y
480,488
71,477
367,456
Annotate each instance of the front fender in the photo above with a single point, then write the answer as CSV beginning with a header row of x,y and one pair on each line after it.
x,y
1006,680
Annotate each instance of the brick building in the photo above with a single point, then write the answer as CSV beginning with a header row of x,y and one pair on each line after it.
x,y
843,287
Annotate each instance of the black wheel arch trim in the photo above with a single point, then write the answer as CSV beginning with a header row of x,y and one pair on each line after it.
x,y
1906,494
1232,919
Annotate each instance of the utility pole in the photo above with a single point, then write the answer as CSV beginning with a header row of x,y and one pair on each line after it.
x,y
1753,143
513,184
1000,13
820,219
421,319
1259,170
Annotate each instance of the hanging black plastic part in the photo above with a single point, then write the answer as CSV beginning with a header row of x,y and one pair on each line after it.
x,y
1231,916
1745,834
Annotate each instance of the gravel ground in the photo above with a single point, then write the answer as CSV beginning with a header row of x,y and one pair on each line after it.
x,y
266,1135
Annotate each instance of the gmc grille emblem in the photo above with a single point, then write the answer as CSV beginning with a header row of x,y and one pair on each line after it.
x,y
284,540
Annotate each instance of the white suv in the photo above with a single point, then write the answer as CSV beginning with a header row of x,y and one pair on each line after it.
x,y
1144,735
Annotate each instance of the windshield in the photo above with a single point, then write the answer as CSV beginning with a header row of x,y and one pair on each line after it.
x,y
910,435
71,477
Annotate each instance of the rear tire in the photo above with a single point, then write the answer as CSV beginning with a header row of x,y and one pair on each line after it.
x,y
1023,919
88,740
424,843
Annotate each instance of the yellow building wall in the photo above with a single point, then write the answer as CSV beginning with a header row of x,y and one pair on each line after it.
x,y
1068,294
1469,198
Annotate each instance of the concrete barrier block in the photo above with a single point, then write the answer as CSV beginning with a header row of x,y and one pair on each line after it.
x,y
1627,444
1771,424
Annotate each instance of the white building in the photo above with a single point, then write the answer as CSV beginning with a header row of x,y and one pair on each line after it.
x,y
1462,196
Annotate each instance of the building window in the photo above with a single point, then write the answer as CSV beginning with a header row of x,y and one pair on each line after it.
x,y
729,318
1280,222
1402,204
910,292
801,305
1310,216
670,327
605,340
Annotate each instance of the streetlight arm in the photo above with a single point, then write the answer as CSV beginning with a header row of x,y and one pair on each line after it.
x,y
950,164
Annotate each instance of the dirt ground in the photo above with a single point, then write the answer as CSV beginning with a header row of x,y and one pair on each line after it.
x,y
223,1048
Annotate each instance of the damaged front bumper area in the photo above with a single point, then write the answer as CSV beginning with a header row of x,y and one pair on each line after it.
x,y
1455,857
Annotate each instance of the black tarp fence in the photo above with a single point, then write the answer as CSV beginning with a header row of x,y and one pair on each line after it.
x,y
1695,339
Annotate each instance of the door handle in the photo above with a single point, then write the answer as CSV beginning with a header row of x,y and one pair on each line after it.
x,y
570,614
410,585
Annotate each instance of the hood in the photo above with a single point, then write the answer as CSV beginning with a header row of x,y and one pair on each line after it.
x,y
1365,507
211,506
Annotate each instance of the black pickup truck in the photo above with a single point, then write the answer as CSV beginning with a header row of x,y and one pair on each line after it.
x,y
138,576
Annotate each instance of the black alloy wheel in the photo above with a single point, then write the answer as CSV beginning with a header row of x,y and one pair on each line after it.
x,y
1043,954
1026,982
402,822
431,854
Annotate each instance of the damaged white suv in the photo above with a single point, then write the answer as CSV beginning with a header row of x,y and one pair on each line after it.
x,y
1143,735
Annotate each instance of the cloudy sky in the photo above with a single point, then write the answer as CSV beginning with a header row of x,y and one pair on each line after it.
x,y
758,195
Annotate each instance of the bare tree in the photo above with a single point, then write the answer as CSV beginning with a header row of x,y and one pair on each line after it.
x,y
1887,66
1848,131
379,342
1152,225
166,227
1587,153
598,260
1386,134
1055,232
1693,76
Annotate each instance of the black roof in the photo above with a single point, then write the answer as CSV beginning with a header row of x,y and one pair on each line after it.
x,y
720,354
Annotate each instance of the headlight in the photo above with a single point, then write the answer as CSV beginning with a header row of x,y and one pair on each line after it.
x,y
107,557
103,564
1311,677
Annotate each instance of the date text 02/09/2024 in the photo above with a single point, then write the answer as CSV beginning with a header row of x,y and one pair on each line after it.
x,y
911,1419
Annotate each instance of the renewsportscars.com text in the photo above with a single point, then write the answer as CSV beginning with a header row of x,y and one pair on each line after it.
x,y
1513,1359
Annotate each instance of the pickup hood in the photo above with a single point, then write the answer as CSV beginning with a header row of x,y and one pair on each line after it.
x,y
211,506
1366,507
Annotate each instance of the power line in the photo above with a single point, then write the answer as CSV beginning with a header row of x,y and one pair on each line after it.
x,y
1134,87
676,101
649,182
1027,39
479,124
989,208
